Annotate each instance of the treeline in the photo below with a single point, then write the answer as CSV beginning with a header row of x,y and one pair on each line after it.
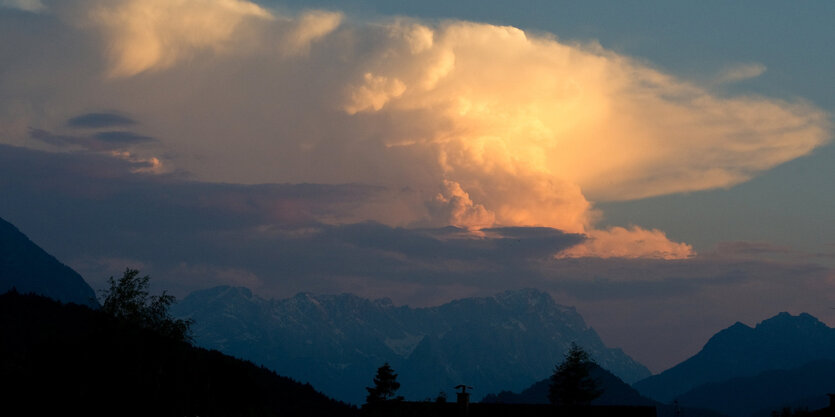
x,y
57,358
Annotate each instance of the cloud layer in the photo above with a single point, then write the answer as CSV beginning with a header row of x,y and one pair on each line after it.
x,y
478,125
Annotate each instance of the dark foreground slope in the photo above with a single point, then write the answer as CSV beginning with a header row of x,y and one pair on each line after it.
x,y
615,392
805,386
28,268
69,359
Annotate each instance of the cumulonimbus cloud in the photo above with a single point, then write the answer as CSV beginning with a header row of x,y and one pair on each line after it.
x,y
487,125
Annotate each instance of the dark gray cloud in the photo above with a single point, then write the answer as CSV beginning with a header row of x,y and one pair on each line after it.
x,y
509,244
100,141
100,120
58,140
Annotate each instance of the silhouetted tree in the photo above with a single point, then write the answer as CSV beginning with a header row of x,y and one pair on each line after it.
x,y
441,398
571,383
385,385
128,300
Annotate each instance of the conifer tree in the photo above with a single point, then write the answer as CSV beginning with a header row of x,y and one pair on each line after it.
x,y
385,386
571,384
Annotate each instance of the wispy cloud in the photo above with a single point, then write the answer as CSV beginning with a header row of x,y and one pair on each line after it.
x,y
309,28
740,72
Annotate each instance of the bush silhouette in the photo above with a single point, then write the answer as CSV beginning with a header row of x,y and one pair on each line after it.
x,y
128,300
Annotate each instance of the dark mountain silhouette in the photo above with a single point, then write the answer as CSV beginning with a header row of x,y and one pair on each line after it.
x,y
805,386
66,359
336,342
781,342
615,392
28,268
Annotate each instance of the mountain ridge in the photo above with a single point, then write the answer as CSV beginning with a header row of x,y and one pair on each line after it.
x,y
783,341
26,267
337,341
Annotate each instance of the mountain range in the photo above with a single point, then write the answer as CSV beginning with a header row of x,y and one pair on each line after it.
x,y
781,342
28,268
336,342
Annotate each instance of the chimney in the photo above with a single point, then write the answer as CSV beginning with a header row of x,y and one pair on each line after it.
x,y
464,399
831,401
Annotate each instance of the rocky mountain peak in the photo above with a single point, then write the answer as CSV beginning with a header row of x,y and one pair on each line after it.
x,y
526,297
787,322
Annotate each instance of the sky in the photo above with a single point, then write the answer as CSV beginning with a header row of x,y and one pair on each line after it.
x,y
665,167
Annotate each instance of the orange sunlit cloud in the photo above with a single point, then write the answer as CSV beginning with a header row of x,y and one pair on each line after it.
x,y
488,125
633,242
